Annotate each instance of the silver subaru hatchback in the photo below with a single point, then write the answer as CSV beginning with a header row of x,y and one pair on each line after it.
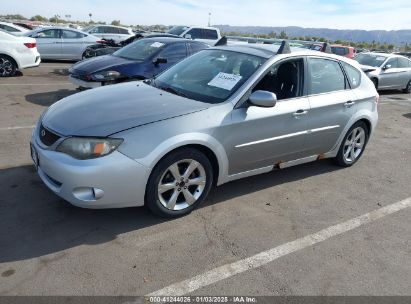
x,y
225,113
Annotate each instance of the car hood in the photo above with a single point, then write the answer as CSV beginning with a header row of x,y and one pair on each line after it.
x,y
107,110
95,64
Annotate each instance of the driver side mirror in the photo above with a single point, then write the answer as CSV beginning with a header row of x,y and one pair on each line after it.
x,y
263,99
387,66
159,60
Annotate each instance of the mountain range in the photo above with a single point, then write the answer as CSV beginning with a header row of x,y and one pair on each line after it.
x,y
398,37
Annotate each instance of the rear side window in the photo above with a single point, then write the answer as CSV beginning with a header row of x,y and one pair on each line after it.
x,y
354,76
325,76
8,28
174,52
339,51
123,31
72,35
210,34
404,63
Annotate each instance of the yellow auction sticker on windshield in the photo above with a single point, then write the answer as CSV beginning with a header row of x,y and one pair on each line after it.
x,y
225,81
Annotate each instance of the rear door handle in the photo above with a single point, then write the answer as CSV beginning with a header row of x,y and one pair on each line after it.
x,y
299,113
349,103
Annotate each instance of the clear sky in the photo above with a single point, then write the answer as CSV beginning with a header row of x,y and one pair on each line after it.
x,y
340,14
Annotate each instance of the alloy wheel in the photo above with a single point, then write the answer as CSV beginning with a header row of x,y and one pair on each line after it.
x,y
181,184
354,144
6,67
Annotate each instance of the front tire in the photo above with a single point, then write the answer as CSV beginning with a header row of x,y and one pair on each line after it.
x,y
179,183
353,145
8,66
407,89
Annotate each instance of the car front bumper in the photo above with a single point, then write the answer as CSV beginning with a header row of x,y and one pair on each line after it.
x,y
84,84
112,181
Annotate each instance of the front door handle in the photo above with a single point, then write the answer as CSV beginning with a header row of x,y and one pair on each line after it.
x,y
299,113
349,103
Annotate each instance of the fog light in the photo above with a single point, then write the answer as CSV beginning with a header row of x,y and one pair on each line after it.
x,y
88,194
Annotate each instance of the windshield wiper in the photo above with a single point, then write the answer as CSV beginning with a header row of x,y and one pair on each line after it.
x,y
173,91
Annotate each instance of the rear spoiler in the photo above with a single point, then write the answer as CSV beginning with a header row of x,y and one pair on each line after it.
x,y
221,41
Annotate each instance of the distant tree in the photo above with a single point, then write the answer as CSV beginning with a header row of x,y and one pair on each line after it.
x,y
390,47
283,35
16,16
39,18
115,22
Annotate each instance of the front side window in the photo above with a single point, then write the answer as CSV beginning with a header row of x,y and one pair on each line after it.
x,y
197,46
195,33
392,62
174,52
49,34
284,79
123,31
210,76
354,76
325,76
140,50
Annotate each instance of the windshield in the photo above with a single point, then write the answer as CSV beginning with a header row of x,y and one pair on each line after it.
x,y
373,60
178,30
140,50
209,76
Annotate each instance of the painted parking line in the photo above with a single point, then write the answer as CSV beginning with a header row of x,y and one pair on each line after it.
x,y
223,272
17,128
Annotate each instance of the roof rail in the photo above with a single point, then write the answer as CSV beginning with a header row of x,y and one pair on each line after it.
x,y
221,41
284,48
326,48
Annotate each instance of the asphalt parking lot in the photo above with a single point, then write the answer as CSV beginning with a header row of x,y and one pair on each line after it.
x,y
48,247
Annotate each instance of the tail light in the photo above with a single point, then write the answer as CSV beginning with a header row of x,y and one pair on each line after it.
x,y
30,45
101,41
377,99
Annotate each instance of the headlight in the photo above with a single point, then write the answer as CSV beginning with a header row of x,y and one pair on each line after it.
x,y
86,148
106,75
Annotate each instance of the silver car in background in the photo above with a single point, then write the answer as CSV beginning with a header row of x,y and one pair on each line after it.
x,y
222,114
110,32
387,71
62,43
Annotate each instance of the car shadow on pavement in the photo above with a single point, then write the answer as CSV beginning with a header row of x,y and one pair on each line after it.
x,y
407,115
35,222
48,98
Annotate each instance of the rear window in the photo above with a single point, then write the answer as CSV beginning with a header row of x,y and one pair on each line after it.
x,y
210,34
354,76
342,51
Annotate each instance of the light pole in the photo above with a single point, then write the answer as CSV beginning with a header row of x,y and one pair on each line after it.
x,y
90,14
209,19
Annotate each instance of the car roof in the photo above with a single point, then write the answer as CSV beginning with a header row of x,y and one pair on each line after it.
x,y
109,25
270,50
168,39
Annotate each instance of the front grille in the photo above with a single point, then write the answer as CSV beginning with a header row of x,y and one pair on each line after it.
x,y
48,138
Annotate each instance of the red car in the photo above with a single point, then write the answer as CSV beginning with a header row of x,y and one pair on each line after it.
x,y
345,51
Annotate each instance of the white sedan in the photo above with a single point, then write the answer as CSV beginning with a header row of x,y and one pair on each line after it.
x,y
62,43
13,28
17,53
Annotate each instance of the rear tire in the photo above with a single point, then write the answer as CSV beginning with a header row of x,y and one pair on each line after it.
x,y
407,89
8,66
353,145
179,183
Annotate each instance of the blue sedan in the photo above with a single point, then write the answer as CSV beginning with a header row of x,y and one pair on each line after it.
x,y
139,60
